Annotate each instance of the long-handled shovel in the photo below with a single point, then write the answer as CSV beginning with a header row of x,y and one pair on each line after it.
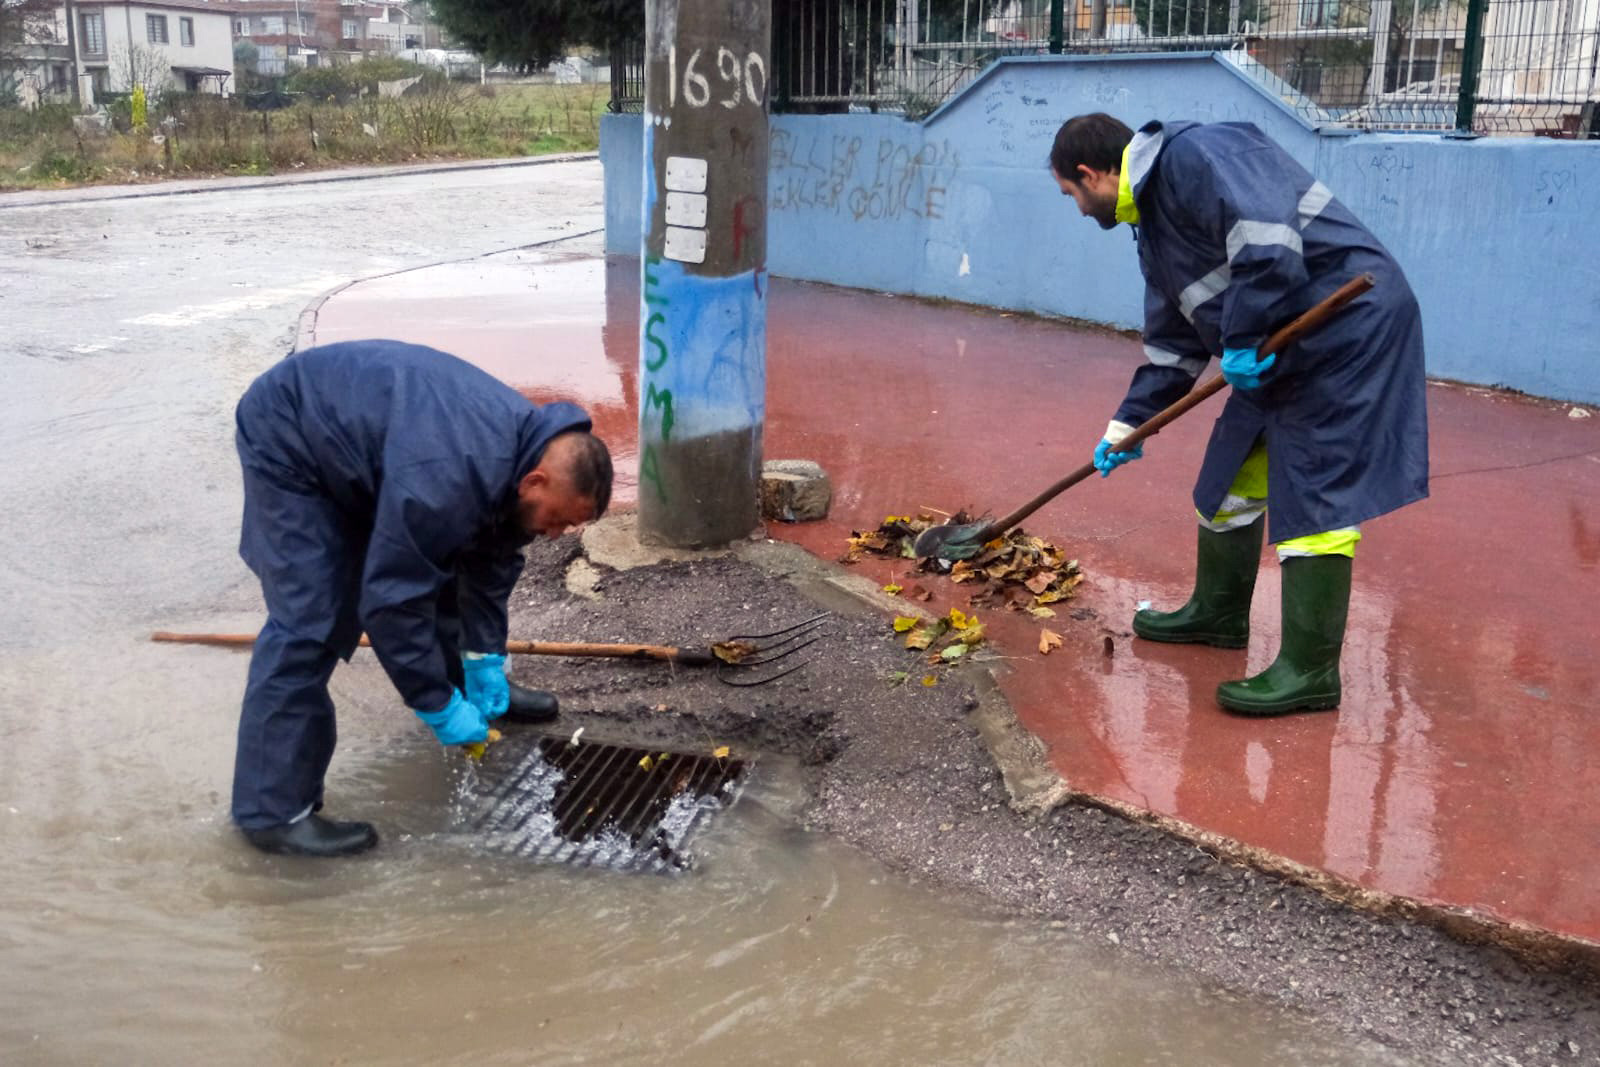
x,y
963,540
734,658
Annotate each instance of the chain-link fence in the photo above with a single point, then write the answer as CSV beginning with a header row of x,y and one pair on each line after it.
x,y
1486,66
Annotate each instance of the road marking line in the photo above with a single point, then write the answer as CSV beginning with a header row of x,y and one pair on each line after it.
x,y
191,314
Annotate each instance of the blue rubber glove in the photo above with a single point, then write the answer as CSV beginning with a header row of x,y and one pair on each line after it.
x,y
1105,460
1242,369
487,685
458,723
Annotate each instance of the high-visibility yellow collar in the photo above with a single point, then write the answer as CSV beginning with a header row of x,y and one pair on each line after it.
x,y
1127,210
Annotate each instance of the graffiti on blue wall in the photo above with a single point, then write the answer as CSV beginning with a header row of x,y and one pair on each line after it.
x,y
861,178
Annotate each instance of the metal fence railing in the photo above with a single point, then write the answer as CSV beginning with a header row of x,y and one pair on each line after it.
x,y
627,74
1527,67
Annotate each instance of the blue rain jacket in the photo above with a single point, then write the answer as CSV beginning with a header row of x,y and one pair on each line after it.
x,y
1235,239
394,470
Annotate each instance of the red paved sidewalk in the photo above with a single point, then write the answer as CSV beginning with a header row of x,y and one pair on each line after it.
x,y
1460,768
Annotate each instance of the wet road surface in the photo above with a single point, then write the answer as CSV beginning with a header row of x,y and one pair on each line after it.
x,y
137,928
1457,771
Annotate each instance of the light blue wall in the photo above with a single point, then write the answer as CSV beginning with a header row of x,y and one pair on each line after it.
x,y
1500,237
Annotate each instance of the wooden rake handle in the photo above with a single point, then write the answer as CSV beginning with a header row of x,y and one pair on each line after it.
x,y
1313,319
664,653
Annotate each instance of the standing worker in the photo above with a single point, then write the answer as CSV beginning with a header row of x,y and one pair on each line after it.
x,y
388,487
1235,239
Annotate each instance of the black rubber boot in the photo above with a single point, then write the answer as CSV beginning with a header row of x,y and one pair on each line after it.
x,y
531,705
1305,676
1218,612
314,836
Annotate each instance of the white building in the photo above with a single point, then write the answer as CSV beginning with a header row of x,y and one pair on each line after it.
x,y
116,44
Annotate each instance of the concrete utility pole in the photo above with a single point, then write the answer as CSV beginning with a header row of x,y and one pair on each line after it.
x,y
703,319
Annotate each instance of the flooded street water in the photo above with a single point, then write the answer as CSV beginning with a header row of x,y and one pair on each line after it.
x,y
136,927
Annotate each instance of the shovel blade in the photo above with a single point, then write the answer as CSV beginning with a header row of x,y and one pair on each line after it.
x,y
953,541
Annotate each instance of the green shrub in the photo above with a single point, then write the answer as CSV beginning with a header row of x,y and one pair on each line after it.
x,y
327,84
17,124
56,165
376,69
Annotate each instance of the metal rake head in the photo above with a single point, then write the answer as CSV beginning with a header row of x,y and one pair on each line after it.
x,y
740,653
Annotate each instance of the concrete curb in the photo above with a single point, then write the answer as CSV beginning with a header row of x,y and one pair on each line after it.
x,y
305,334
1036,788
95,194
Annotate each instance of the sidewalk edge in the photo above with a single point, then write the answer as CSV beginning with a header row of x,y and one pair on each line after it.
x,y
306,327
56,196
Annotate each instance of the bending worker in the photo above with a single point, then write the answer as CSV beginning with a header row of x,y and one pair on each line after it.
x,y
388,487
1235,239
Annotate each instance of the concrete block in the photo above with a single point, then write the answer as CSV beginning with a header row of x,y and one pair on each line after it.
x,y
794,490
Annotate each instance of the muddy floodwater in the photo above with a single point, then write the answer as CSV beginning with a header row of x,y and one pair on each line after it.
x,y
135,927
156,938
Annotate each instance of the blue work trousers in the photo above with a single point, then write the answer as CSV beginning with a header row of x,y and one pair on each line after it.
x,y
286,726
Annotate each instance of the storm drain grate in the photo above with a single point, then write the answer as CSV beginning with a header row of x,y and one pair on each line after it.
x,y
591,804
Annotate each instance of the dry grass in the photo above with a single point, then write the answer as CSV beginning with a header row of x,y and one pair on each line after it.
x,y
195,136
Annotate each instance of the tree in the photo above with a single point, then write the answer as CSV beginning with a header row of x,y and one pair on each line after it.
x,y
1405,17
245,57
531,33
144,68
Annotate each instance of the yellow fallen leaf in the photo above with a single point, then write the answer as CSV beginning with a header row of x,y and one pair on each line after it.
x,y
902,623
720,752
930,680
647,762
958,619
733,651
1042,613
892,589
476,749
1047,640
924,636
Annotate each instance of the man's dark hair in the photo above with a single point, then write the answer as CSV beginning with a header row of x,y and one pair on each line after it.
x,y
1095,141
589,467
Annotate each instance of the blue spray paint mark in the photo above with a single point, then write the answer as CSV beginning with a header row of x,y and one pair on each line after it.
x,y
702,358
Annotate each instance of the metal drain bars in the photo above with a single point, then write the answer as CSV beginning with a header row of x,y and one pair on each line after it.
x,y
600,805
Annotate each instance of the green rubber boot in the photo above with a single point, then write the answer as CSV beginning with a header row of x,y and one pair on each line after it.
x,y
1305,676
1218,612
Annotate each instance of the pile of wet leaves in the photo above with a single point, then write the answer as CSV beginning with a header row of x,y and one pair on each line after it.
x,y
1015,571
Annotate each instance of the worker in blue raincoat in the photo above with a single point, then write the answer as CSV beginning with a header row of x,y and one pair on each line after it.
x,y
388,488
1235,239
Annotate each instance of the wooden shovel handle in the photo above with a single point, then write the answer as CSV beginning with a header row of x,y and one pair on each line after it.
x,y
665,653
1312,319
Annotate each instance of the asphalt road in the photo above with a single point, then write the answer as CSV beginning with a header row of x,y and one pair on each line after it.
x,y
133,325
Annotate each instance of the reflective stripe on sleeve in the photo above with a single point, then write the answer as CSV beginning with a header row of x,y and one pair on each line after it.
x,y
1317,197
1192,365
1197,293
1246,232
